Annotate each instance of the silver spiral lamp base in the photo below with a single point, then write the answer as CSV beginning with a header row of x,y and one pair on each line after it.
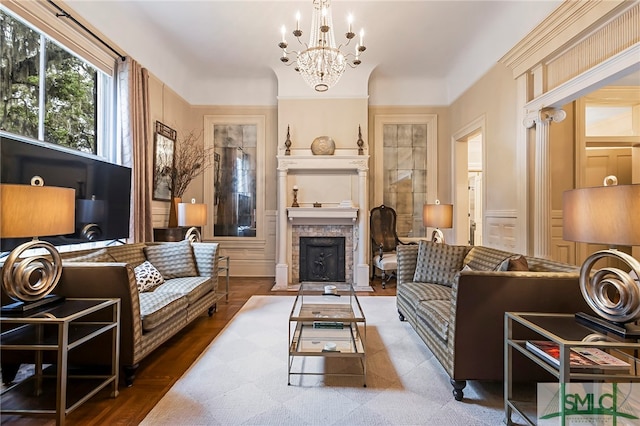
x,y
30,280
612,293
193,235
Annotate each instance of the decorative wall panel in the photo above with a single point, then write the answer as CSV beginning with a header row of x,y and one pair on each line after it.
x,y
612,38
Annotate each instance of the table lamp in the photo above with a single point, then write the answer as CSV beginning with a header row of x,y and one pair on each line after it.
x,y
607,215
437,216
33,211
192,214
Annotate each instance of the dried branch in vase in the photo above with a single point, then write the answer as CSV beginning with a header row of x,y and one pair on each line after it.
x,y
190,161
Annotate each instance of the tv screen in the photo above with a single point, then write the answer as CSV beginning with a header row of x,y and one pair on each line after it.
x,y
102,189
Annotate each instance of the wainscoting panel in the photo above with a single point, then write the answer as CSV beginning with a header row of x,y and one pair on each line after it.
x,y
561,250
160,215
249,257
500,229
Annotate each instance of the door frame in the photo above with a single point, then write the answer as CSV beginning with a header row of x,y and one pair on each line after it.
x,y
460,166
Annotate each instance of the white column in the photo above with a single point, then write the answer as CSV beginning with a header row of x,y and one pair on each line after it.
x,y
282,267
362,269
542,178
522,170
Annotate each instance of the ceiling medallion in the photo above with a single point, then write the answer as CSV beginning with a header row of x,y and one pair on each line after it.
x,y
321,63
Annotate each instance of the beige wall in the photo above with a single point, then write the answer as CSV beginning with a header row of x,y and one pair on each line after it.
x,y
562,156
170,109
493,96
310,118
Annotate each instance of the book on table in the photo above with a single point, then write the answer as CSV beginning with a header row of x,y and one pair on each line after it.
x,y
579,357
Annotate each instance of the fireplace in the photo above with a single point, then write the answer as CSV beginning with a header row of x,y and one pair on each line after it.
x,y
322,232
340,212
322,259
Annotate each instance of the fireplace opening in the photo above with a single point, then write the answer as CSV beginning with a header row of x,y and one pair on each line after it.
x,y
322,259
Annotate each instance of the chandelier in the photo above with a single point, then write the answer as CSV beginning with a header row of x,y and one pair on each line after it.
x,y
321,63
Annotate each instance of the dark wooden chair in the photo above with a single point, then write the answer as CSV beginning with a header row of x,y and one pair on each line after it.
x,y
384,240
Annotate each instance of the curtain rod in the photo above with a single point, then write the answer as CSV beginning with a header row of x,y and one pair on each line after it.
x,y
64,14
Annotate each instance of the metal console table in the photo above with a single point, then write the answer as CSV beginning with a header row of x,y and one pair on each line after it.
x,y
223,266
567,333
61,328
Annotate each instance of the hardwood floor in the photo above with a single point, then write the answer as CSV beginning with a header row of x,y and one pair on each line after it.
x,y
162,368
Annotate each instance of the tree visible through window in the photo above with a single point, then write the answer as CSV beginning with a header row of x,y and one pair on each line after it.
x,y
49,95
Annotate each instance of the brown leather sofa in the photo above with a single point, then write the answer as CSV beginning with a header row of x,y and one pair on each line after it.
x,y
147,318
461,317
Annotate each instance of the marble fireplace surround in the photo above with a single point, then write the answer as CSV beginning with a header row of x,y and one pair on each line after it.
x,y
348,174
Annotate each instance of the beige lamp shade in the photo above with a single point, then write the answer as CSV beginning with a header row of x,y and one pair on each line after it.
x,y
36,211
192,214
602,215
438,215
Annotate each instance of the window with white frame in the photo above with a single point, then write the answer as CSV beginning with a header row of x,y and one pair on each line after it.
x,y
49,93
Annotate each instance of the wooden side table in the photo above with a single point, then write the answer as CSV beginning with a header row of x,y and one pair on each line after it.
x,y
171,234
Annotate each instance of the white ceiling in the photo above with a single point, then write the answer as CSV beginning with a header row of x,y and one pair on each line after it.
x,y
202,49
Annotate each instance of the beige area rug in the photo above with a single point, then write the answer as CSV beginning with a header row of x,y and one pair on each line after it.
x,y
241,378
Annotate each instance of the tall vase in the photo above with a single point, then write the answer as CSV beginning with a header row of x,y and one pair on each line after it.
x,y
173,212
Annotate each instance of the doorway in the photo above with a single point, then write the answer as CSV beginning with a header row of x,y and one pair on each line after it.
x,y
468,148
607,134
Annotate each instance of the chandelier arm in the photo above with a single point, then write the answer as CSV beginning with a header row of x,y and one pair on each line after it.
x,y
344,44
302,43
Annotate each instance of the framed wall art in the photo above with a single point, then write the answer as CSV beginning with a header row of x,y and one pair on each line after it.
x,y
163,161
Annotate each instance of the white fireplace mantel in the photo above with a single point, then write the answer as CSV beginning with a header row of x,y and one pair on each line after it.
x,y
323,162
322,215
343,166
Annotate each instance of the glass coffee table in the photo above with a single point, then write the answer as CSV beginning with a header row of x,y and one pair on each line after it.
x,y
327,322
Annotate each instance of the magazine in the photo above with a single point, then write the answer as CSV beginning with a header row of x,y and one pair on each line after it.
x,y
580,357
602,358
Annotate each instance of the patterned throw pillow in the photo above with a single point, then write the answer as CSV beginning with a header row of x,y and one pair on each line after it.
x,y
438,263
147,277
173,260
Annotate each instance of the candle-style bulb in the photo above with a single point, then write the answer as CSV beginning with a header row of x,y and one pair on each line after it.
x,y
298,20
362,37
283,30
350,20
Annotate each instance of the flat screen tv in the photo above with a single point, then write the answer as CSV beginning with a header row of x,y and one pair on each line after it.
x,y
102,189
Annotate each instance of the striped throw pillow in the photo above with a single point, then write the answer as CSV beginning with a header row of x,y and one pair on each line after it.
x,y
173,260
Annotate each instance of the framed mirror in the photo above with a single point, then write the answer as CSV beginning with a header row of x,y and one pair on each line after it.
x,y
163,161
232,186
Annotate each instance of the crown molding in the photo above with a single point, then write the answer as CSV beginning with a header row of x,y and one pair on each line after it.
x,y
564,27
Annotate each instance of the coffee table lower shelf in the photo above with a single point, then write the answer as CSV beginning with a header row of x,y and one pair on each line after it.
x,y
310,341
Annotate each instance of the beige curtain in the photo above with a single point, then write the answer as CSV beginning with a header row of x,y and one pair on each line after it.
x,y
135,130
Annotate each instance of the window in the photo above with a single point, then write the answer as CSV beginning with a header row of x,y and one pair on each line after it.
x,y
48,93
